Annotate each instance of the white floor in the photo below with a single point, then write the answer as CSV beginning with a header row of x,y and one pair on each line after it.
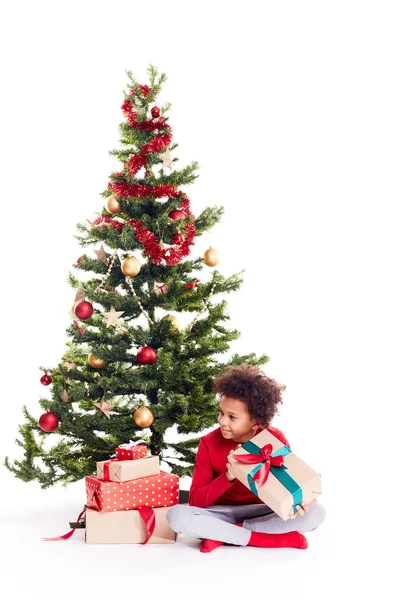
x,y
66,568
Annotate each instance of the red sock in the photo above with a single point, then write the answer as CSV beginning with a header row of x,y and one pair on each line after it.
x,y
293,539
210,545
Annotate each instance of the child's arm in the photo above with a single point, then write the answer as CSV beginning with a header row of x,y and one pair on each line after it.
x,y
204,489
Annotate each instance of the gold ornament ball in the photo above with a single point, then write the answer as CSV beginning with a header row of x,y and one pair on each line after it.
x,y
130,266
112,205
96,363
143,417
174,322
211,257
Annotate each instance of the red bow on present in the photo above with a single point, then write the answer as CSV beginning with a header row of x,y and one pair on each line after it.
x,y
192,286
264,457
161,289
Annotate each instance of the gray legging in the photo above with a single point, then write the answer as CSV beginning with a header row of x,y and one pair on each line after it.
x,y
217,522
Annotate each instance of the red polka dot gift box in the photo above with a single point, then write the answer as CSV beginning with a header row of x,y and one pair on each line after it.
x,y
126,470
153,491
131,451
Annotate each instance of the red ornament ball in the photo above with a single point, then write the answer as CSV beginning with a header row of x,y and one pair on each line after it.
x,y
178,238
83,310
45,379
80,259
155,111
48,422
176,215
146,355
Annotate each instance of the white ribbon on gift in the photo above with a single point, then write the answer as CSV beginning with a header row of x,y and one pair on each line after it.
x,y
132,444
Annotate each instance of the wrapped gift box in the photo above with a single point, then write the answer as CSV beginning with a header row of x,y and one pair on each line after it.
x,y
126,527
290,484
130,451
125,470
154,491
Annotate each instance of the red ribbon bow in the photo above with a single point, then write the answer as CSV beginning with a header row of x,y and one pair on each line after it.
x,y
191,286
265,457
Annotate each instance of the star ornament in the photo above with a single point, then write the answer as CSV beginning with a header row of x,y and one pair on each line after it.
x,y
167,159
80,293
112,317
104,407
102,255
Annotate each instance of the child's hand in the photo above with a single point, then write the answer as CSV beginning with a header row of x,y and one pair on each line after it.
x,y
229,475
301,510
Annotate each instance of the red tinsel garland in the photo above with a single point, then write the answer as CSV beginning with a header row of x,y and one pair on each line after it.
x,y
101,222
161,141
145,89
153,249
136,190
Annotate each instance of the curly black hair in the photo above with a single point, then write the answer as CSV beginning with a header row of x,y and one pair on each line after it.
x,y
248,383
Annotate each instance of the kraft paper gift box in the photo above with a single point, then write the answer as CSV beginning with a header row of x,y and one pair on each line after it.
x,y
125,470
127,527
131,451
154,491
280,487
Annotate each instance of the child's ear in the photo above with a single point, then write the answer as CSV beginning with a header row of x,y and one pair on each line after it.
x,y
256,426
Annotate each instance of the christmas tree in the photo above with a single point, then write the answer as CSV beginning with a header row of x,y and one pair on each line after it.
x,y
130,370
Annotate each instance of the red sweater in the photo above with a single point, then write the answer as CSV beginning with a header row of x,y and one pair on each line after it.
x,y
210,485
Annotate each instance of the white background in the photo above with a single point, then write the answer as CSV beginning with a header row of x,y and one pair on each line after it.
x,y
292,111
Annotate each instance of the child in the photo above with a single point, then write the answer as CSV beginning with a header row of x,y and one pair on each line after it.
x,y
221,509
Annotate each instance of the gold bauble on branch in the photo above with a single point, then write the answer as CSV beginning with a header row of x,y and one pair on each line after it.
x,y
130,266
143,417
112,205
211,257
96,363
174,322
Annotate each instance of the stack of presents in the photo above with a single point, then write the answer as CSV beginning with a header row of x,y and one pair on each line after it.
x,y
128,500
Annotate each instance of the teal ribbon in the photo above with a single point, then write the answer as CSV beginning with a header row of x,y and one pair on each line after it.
x,y
279,472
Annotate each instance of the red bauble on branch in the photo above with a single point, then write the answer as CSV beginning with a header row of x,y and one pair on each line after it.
x,y
155,112
48,422
45,379
146,356
83,310
176,215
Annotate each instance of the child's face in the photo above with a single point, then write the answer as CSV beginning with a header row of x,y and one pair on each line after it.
x,y
235,421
